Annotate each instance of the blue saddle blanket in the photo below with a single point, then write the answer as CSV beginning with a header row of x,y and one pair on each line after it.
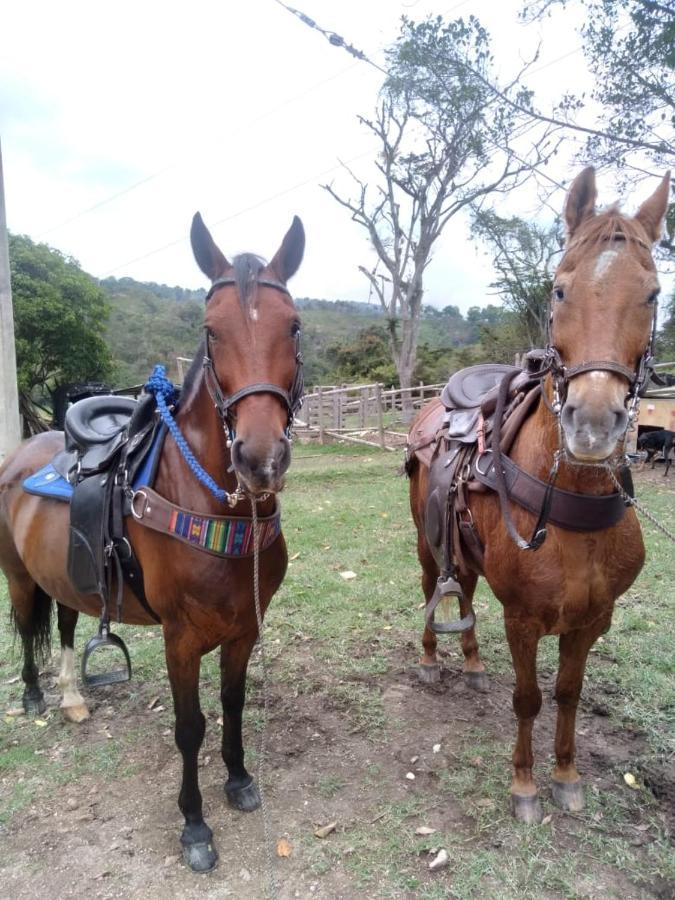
x,y
47,482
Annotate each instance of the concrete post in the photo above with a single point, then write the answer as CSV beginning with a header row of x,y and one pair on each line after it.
x,y
10,424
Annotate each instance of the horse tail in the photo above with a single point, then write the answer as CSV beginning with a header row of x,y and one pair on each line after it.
x,y
39,625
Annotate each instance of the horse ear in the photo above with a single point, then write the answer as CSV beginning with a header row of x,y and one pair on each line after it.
x,y
653,211
209,258
580,203
288,257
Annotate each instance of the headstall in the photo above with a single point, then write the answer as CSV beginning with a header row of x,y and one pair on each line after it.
x,y
224,403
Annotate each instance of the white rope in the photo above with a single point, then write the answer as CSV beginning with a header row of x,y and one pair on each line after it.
x,y
271,877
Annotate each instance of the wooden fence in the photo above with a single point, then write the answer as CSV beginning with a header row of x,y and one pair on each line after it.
x,y
361,413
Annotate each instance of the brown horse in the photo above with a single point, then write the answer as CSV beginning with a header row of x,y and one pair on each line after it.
x,y
249,365
602,316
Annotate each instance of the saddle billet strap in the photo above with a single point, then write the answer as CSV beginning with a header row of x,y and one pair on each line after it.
x,y
228,537
568,510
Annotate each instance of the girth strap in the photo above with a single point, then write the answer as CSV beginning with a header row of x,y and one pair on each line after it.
x,y
574,512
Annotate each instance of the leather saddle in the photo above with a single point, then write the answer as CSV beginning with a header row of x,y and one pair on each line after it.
x,y
107,441
447,437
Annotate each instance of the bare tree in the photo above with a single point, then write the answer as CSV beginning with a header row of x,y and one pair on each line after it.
x,y
445,141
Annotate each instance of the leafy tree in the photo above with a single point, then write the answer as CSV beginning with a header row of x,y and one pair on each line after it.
x,y
444,141
630,49
59,314
522,256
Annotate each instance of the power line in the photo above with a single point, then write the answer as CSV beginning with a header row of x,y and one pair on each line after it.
x,y
236,215
242,129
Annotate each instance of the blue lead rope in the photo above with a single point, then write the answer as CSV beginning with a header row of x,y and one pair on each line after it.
x,y
165,392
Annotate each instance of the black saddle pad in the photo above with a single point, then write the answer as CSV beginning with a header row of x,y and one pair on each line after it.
x,y
467,388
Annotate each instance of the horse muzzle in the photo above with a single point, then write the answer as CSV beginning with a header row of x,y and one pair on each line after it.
x,y
261,468
594,418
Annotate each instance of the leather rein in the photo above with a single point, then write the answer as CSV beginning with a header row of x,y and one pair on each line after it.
x,y
224,403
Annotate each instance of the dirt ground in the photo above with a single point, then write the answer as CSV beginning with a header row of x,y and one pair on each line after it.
x,y
120,839
342,756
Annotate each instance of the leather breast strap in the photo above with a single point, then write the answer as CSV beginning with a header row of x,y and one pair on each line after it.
x,y
568,510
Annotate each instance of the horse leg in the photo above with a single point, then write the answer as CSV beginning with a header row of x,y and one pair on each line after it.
x,y
32,619
73,704
183,662
429,671
473,668
241,790
523,642
574,648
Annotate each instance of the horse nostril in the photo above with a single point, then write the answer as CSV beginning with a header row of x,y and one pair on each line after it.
x,y
237,453
567,415
620,421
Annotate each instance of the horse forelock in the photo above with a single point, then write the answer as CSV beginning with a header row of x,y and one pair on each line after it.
x,y
247,267
598,231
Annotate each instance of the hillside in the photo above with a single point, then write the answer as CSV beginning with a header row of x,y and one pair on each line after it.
x,y
153,323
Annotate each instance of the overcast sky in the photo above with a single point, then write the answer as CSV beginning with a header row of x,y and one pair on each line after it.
x,y
119,121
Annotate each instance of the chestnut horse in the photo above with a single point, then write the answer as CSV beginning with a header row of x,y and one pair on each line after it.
x,y
603,310
249,361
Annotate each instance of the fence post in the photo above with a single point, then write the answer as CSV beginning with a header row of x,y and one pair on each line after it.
x,y
319,395
380,417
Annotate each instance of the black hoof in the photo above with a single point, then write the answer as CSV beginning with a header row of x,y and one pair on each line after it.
x,y
429,674
34,703
199,854
245,797
568,795
200,858
527,809
477,681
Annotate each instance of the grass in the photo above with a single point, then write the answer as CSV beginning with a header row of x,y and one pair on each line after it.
x,y
343,641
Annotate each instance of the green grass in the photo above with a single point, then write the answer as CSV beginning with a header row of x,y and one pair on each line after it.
x,y
342,641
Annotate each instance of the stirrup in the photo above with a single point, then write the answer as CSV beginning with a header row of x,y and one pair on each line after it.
x,y
448,587
105,638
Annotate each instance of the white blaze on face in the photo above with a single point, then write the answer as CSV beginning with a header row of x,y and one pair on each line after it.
x,y
253,313
604,263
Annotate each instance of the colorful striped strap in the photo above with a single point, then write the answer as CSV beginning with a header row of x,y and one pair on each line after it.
x,y
225,536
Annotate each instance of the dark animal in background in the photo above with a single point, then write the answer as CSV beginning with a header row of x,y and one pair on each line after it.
x,y
655,441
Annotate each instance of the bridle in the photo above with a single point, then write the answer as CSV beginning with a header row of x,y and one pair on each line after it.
x,y
550,362
291,399
637,378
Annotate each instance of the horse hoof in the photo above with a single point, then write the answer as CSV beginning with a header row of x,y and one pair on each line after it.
x,y
429,674
568,795
200,858
477,681
244,797
34,705
77,714
527,809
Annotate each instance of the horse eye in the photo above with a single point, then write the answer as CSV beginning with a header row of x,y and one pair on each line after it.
x,y
653,297
295,329
558,293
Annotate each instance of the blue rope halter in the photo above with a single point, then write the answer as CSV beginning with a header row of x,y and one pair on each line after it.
x,y
165,393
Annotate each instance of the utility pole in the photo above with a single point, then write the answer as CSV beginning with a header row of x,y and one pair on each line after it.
x,y
10,424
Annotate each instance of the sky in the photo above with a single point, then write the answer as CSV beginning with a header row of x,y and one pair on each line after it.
x,y
119,121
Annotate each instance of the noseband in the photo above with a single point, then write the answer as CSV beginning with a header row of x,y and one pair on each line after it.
x,y
224,403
